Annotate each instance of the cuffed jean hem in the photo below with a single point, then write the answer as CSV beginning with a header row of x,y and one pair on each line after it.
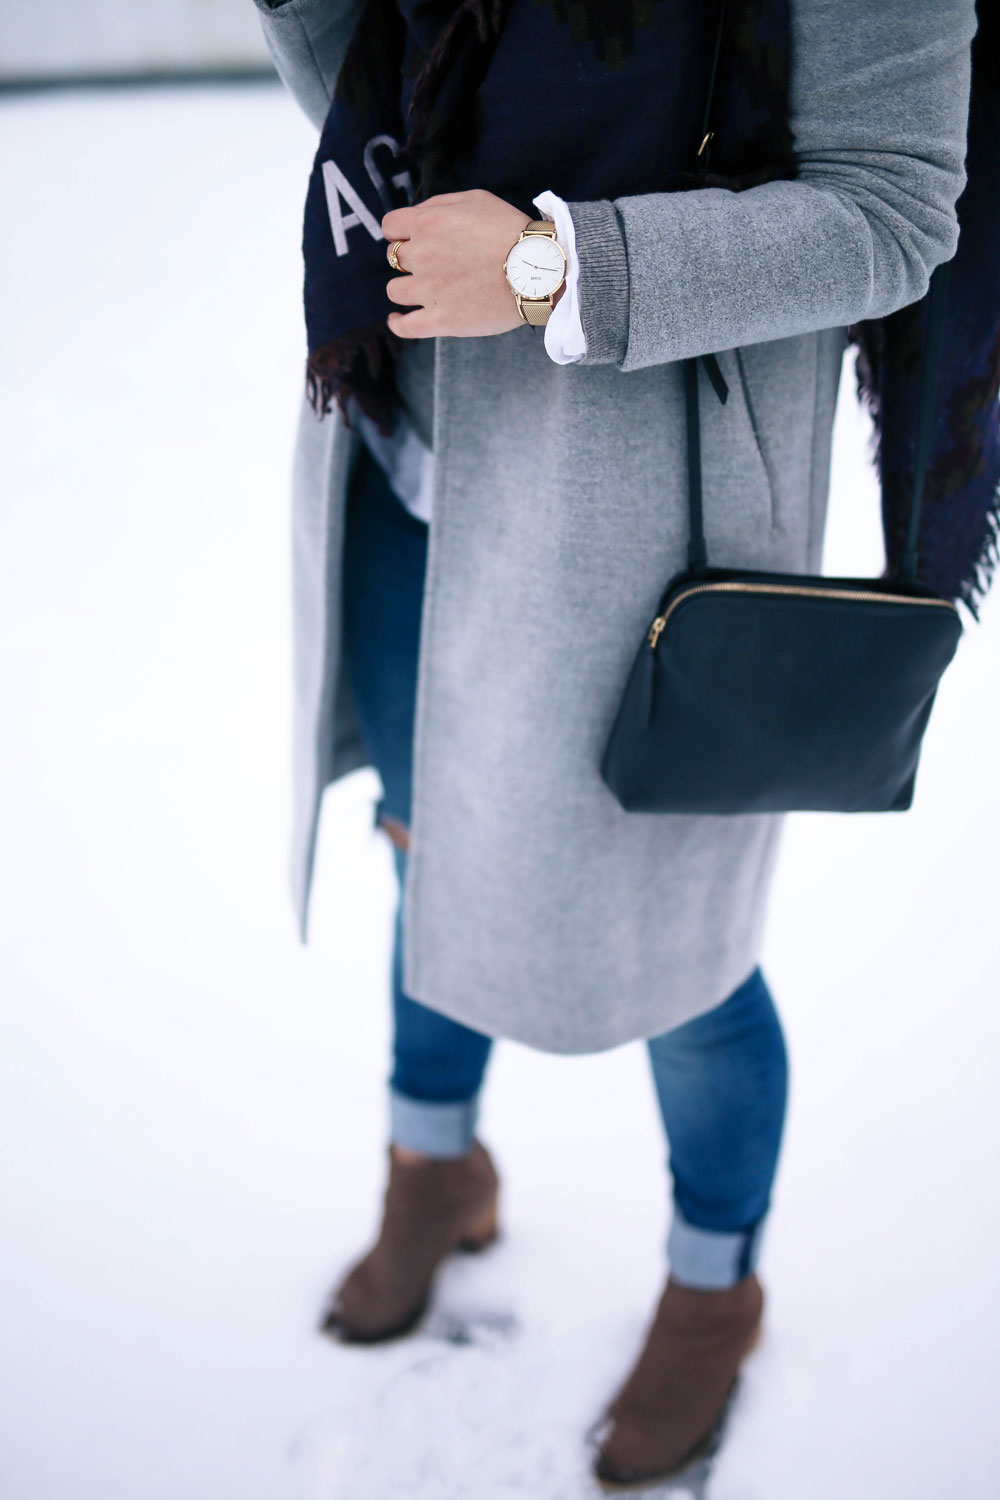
x,y
434,1128
709,1258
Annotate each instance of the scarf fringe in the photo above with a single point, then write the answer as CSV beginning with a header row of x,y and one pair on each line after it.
x,y
359,367
975,583
867,392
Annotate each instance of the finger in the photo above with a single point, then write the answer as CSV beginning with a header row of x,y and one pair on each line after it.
x,y
408,257
397,224
399,264
413,325
402,289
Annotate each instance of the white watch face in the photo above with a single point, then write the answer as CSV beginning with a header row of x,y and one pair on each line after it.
x,y
535,265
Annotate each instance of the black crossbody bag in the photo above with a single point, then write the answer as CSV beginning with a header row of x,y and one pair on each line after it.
x,y
778,692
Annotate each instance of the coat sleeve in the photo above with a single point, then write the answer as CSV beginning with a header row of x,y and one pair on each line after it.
x,y
879,112
308,40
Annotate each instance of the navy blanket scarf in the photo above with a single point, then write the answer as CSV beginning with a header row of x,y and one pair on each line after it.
x,y
437,96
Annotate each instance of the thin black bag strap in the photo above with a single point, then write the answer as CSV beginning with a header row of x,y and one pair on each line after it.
x,y
697,550
936,301
937,298
697,554
705,148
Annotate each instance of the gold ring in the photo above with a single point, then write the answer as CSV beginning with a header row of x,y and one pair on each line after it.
x,y
393,254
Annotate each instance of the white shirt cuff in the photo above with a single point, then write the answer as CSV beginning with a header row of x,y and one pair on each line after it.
x,y
565,340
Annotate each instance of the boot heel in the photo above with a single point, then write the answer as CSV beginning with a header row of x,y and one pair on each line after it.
x,y
480,1234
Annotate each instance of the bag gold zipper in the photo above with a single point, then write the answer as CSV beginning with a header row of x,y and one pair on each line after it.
x,y
864,595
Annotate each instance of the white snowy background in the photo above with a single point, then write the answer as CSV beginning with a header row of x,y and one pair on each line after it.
x,y
79,38
192,1106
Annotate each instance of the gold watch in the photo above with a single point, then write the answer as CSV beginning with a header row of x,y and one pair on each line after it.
x,y
535,268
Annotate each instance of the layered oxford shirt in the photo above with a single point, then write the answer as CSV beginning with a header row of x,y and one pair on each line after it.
x,y
406,460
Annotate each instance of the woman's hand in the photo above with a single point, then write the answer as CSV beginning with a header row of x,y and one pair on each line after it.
x,y
452,256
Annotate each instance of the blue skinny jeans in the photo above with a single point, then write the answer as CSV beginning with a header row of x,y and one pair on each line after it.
x,y
721,1080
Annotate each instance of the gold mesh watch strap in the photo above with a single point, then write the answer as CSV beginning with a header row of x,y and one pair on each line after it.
x,y
536,312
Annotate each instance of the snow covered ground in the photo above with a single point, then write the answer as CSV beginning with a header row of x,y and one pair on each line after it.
x,y
191,1106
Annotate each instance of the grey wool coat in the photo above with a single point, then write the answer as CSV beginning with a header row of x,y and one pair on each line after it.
x,y
534,906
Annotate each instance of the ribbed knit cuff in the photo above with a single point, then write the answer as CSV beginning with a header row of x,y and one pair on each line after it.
x,y
710,1258
435,1129
604,288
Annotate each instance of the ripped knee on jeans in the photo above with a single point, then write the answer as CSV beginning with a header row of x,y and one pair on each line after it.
x,y
399,834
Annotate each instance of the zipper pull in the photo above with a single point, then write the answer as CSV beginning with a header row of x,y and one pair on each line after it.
x,y
647,674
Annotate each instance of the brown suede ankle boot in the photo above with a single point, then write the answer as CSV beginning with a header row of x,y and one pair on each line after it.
x,y
664,1414
430,1208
